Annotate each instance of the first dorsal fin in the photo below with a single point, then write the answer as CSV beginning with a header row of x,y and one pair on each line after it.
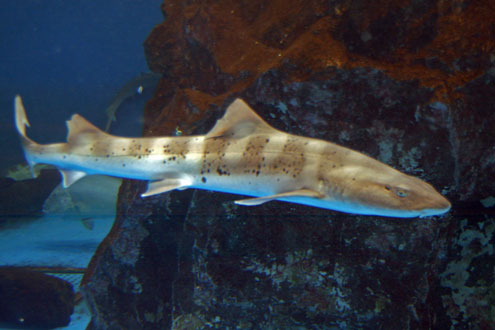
x,y
77,125
238,121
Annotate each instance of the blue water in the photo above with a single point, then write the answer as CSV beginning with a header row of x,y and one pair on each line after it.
x,y
66,57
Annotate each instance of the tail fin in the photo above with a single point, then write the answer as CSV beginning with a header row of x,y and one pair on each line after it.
x,y
21,122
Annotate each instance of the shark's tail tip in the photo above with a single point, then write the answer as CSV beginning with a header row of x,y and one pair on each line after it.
x,y
21,120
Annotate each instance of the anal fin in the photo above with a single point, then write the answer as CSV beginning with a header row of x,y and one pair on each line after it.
x,y
296,193
71,176
167,184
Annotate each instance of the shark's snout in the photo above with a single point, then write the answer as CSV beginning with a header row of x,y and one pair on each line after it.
x,y
444,204
426,199
438,205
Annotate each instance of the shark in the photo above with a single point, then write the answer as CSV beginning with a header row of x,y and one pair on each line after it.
x,y
242,154
133,87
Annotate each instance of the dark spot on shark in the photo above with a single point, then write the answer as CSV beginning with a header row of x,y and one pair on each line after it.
x,y
123,165
203,179
222,172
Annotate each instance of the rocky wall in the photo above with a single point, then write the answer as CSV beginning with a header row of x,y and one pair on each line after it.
x,y
410,83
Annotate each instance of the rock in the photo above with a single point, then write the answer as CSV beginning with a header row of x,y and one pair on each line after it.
x,y
409,84
26,197
34,300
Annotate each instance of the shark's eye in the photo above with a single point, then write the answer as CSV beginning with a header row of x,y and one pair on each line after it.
x,y
401,192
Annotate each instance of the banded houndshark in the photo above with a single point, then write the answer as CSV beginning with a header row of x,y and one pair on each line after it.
x,y
242,154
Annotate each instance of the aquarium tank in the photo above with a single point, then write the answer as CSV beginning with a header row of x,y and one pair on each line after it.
x,y
247,164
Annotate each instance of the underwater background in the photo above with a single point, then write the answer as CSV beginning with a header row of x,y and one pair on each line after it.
x,y
62,57
408,82
69,57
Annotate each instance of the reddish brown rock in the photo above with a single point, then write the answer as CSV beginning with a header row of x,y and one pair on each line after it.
x,y
408,82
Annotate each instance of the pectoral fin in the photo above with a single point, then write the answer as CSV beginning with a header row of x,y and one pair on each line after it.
x,y
296,193
167,184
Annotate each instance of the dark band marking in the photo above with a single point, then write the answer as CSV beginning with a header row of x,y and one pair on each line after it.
x,y
292,157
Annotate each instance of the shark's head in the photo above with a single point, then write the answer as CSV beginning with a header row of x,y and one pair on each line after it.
x,y
390,193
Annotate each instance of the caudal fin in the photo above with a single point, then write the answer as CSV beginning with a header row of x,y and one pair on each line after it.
x,y
21,122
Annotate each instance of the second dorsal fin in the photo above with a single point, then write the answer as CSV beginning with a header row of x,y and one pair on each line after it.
x,y
238,121
77,125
